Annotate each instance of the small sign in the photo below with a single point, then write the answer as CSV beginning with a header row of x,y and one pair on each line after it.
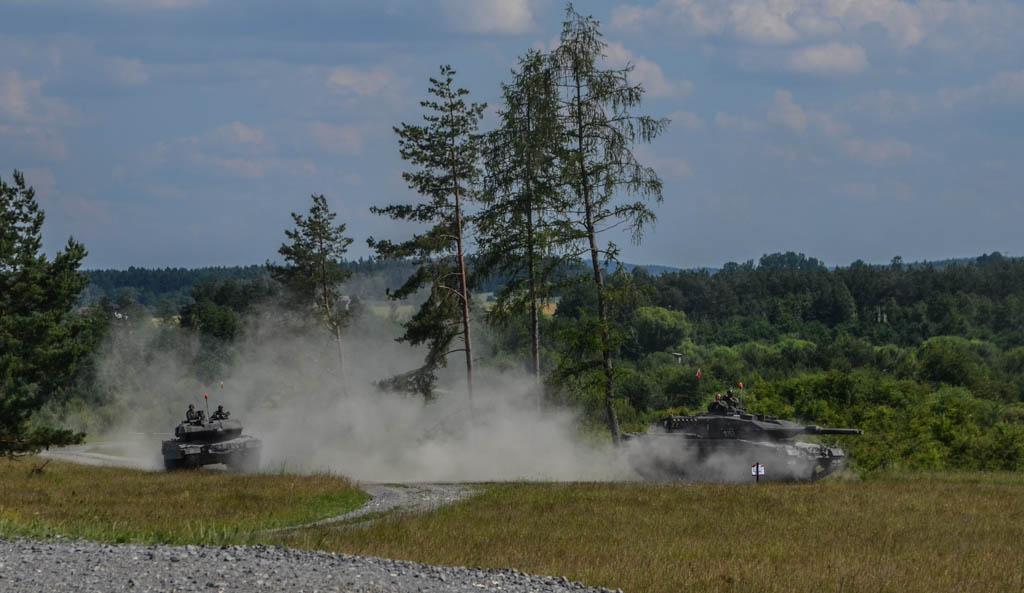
x,y
757,470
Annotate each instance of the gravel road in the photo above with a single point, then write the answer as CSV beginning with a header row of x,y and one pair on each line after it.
x,y
59,566
403,498
65,566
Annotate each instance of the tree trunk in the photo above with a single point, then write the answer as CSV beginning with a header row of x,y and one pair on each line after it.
x,y
464,293
602,312
341,361
602,307
531,262
534,306
331,321
534,312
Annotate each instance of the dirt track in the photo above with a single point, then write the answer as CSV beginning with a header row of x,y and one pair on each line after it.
x,y
410,497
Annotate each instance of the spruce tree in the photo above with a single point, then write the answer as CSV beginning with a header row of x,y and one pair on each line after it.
x,y
445,154
314,269
601,170
42,340
519,237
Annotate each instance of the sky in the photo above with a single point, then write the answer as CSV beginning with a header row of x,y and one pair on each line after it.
x,y
184,132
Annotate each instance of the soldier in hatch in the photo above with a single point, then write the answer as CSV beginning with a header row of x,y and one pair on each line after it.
x,y
220,414
191,415
718,406
730,399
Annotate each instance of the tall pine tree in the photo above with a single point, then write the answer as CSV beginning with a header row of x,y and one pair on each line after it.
x,y
518,235
445,154
601,170
314,270
42,341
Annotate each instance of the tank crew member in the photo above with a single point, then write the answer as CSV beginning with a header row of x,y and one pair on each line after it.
x,y
220,414
718,406
191,415
731,399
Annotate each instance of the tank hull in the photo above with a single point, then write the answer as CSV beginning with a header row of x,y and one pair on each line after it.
x,y
241,453
674,457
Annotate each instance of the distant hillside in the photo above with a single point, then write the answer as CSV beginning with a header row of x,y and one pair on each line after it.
x,y
652,269
172,287
155,286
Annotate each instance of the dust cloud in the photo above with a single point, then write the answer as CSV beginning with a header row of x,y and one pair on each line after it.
x,y
661,456
282,382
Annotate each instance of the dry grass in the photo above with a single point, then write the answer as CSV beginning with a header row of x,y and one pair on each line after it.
x,y
919,533
118,505
928,534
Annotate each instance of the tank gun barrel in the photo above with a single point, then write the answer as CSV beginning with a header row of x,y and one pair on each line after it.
x,y
812,429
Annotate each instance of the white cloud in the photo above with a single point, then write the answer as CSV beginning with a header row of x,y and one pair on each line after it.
x,y
23,101
31,119
508,17
686,119
238,167
1004,87
251,168
672,167
343,140
17,95
127,72
348,80
785,111
887,105
239,134
906,23
762,22
647,73
829,59
735,122
879,152
236,149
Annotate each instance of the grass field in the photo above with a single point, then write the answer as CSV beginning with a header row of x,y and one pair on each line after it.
x,y
912,533
121,505
923,534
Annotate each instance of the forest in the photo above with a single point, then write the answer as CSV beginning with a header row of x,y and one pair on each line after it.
x,y
927,358
515,267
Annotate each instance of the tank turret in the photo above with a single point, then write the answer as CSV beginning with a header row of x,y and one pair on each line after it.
x,y
736,423
723,443
208,432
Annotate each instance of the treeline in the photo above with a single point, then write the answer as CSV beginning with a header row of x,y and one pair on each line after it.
x,y
164,290
928,360
903,304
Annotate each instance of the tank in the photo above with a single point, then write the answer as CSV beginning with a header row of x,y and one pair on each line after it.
x,y
727,444
210,442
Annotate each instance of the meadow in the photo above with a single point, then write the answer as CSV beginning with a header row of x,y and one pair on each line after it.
x,y
126,505
919,532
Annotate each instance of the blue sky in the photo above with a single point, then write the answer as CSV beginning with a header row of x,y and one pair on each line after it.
x,y
183,132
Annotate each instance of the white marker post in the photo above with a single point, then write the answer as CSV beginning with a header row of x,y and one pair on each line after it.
x,y
757,470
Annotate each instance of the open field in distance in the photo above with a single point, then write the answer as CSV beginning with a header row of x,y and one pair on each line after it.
x,y
126,505
922,533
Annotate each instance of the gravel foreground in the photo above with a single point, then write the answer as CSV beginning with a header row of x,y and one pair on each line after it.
x,y
58,566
